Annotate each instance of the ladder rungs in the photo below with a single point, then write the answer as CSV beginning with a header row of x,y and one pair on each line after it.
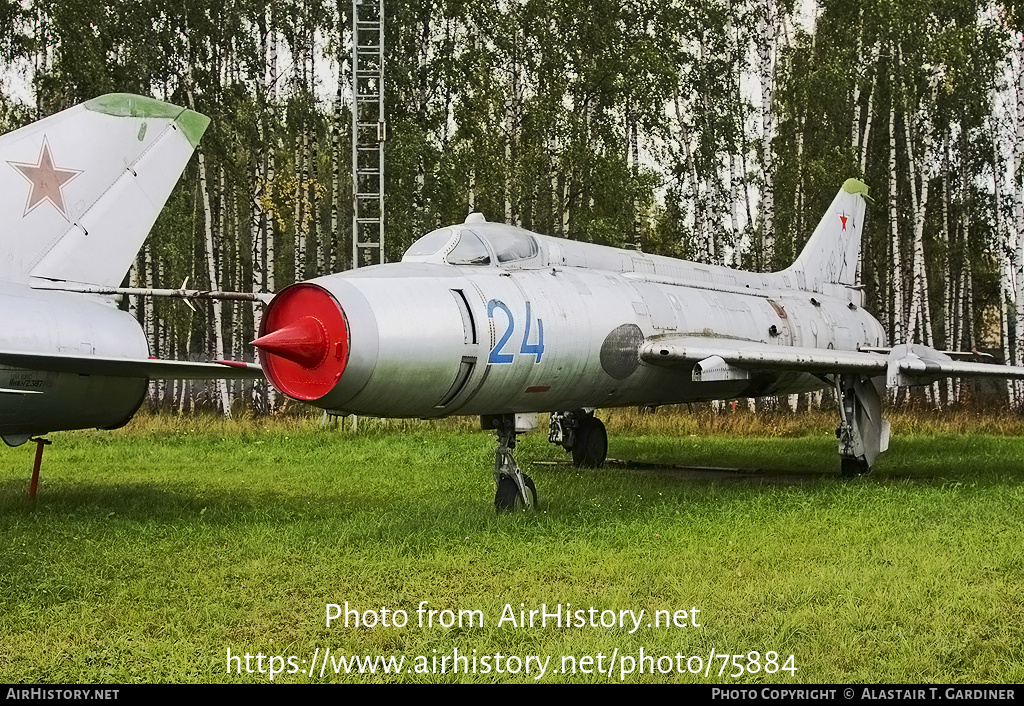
x,y
368,147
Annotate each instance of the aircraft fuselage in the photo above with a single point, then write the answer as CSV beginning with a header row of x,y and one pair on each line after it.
x,y
543,333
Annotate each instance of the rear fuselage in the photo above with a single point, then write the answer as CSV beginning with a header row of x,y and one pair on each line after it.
x,y
36,401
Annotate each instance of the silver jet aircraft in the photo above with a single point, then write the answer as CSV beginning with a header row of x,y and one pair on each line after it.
x,y
492,320
79,192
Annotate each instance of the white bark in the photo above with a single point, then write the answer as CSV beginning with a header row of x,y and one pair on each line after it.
x,y
896,276
920,316
869,109
947,298
1017,185
700,229
766,42
299,213
211,264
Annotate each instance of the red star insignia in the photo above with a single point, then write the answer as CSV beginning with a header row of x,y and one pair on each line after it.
x,y
843,218
47,180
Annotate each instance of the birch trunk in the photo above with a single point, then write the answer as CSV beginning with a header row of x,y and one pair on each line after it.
x,y
336,194
919,319
1003,241
699,209
896,276
211,264
766,39
947,298
1018,195
299,232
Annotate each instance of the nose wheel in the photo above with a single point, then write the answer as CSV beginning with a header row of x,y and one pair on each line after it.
x,y
515,490
509,496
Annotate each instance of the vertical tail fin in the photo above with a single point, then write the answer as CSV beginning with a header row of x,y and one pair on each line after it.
x,y
80,190
831,254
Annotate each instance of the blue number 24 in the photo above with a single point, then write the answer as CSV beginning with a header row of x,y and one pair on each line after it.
x,y
536,349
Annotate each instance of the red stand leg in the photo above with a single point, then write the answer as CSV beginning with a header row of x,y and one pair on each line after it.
x,y
40,443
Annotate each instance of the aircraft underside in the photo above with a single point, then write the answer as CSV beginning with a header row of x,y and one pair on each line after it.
x,y
862,435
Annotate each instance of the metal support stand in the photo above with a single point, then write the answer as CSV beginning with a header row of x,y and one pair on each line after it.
x,y
40,443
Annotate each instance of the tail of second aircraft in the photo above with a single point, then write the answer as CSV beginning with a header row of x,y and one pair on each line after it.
x,y
831,254
80,190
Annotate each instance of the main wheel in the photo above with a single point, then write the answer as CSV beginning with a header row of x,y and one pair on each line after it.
x,y
507,497
853,467
591,447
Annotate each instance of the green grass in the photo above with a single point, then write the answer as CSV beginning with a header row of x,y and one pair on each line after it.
x,y
152,550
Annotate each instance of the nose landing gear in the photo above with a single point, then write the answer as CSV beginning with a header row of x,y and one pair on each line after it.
x,y
514,489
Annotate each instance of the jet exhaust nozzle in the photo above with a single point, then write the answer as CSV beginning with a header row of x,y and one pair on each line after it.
x,y
304,341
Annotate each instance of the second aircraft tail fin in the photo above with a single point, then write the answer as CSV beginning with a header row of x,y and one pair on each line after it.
x,y
80,190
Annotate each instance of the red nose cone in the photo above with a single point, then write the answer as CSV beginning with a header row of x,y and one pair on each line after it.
x,y
304,342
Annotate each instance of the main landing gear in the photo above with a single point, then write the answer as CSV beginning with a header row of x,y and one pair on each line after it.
x,y
862,432
581,433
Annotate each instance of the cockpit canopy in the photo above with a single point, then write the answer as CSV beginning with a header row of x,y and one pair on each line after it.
x,y
476,242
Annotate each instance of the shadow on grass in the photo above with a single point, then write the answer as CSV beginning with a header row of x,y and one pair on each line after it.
x,y
161,502
422,496
763,475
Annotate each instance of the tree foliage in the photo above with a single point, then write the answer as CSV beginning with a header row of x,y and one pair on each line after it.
x,y
716,130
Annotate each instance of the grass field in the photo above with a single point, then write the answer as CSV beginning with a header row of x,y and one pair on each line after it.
x,y
153,550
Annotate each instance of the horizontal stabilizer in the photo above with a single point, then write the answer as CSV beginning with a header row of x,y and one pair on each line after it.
x,y
151,368
921,365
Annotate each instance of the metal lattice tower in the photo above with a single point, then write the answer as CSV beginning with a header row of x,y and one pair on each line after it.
x,y
368,132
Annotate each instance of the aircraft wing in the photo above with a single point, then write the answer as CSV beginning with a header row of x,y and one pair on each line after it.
x,y
723,359
151,368
685,351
